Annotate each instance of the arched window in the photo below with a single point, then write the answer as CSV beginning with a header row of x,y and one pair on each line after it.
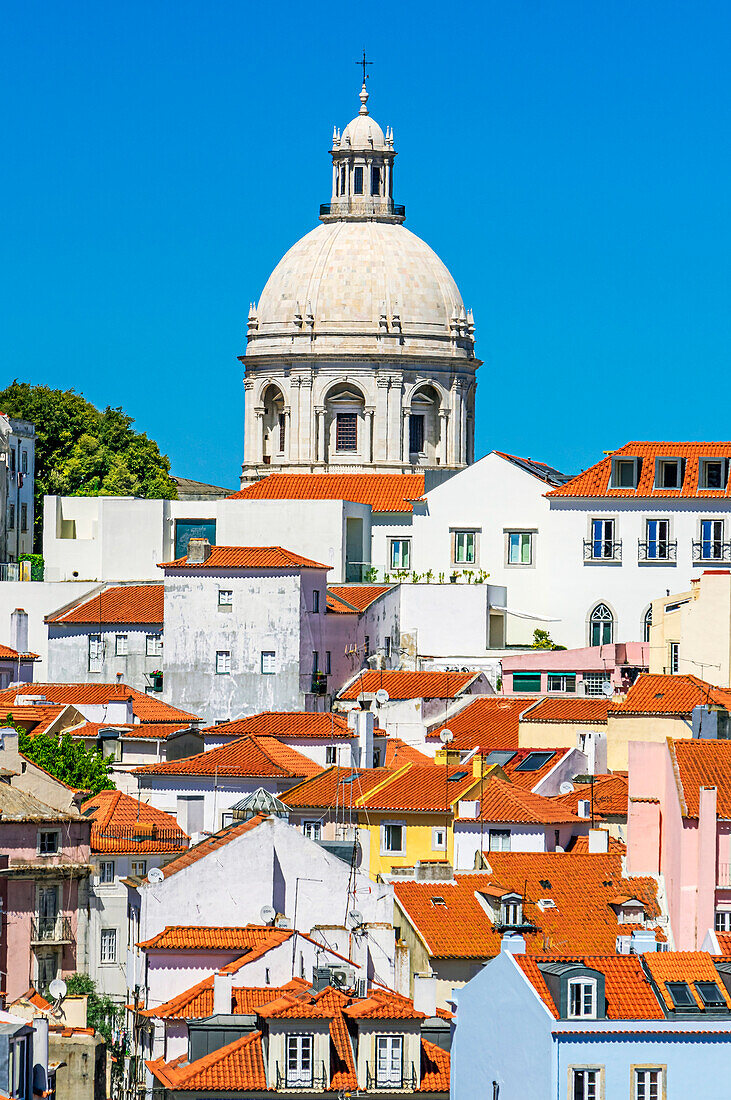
x,y
601,625
646,624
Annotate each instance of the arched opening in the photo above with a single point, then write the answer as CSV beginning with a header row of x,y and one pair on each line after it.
x,y
274,434
345,428
601,625
425,442
647,624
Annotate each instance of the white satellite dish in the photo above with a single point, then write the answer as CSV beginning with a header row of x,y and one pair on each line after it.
x,y
608,688
155,876
445,736
355,918
566,787
382,696
57,989
267,913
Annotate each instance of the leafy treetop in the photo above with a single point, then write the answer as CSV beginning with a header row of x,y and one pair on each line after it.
x,y
67,758
543,640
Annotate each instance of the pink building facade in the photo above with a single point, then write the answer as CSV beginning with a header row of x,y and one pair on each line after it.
x,y
575,671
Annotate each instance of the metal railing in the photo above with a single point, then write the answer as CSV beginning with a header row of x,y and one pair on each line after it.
x,y
357,572
386,1079
602,550
357,205
711,550
301,1079
657,550
50,930
10,571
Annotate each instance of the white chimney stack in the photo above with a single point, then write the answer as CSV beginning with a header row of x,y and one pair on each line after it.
x,y
425,994
19,630
513,943
362,722
222,993
199,551
598,841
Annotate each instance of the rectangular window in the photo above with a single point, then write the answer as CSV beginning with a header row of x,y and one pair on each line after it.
x,y
106,871
342,179
96,653
358,180
108,946
400,555
367,646
712,539
593,683
526,681
18,1068
564,681
299,1057
439,839
11,516
511,913
328,662
375,180
312,829
416,433
120,645
520,548
24,517
225,597
315,661
669,473
624,473
389,1061
139,868
282,431
723,920
47,969
464,547
346,432
602,538
582,999
268,662
331,754
712,473
24,466
392,838
153,645
387,643
674,657
12,460
316,601
585,1084
223,662
658,539
499,840
648,1084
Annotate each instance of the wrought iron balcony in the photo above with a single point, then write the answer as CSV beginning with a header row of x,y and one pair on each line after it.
x,y
50,930
657,550
378,1078
711,550
602,550
314,1078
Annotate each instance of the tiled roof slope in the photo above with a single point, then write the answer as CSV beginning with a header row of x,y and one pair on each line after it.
x,y
609,796
197,1002
501,801
124,824
247,557
594,482
193,937
490,721
270,723
9,654
239,1066
684,966
254,755
34,719
628,990
657,694
351,598
420,788
541,470
383,492
701,763
335,788
122,603
398,752
146,708
582,887
564,709
531,779
402,684
148,731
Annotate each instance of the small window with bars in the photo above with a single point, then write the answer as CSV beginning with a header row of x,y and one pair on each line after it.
x,y
346,431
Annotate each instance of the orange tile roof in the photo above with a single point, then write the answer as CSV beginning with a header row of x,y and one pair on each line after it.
x,y
435,1064
579,845
581,886
146,708
247,557
350,598
594,482
193,937
236,1067
296,724
724,943
158,731
501,801
530,780
409,685
334,788
565,709
255,755
34,719
9,654
701,763
124,824
610,796
121,603
627,989
657,694
490,721
420,788
383,492
197,1002
210,844
684,966
398,752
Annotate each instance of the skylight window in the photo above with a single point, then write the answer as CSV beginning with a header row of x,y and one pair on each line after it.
x,y
437,900
458,775
545,884
681,995
710,994
499,756
534,761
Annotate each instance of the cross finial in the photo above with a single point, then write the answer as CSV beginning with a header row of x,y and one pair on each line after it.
x,y
364,64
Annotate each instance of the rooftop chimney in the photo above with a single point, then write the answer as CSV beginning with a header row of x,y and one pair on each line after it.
x,y
598,841
362,723
425,994
199,551
512,943
19,630
222,989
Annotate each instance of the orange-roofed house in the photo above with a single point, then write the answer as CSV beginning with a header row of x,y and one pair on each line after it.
x,y
584,1026
583,671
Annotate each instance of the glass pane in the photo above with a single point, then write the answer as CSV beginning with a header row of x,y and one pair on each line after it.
x,y
346,432
358,181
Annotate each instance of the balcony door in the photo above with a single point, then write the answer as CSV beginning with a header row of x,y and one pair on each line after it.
x,y
299,1061
712,539
602,538
658,538
389,1061
47,912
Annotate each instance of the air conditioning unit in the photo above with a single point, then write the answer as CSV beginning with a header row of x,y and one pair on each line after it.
x,y
624,945
342,977
283,922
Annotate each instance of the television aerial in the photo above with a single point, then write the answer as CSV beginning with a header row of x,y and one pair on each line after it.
x,y
267,913
155,876
446,735
382,696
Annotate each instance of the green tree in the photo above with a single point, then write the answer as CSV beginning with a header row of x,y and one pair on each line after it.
x,y
82,451
104,1016
67,758
543,640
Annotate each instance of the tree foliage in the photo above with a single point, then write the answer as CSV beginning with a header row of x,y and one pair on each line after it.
x,y
81,451
67,758
543,640
104,1016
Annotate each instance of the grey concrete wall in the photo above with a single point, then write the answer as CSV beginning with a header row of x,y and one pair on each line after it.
x,y
68,653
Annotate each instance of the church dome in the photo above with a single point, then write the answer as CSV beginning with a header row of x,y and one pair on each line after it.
x,y
363,133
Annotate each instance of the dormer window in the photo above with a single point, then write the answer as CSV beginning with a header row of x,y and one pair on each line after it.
x,y
712,473
711,995
625,473
511,911
681,995
669,473
582,999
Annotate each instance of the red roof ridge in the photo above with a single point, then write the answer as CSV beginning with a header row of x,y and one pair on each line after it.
x,y
247,557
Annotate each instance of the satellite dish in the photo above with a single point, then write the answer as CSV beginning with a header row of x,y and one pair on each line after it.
x,y
155,876
566,787
608,688
445,736
57,989
382,696
267,913
355,918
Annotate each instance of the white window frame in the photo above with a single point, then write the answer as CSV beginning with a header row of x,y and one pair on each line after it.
x,y
592,1090
587,1005
439,838
107,936
225,597
722,921
389,1061
712,541
312,829
601,621
153,645
564,678
385,826
674,658
529,536
121,645
511,912
223,662
331,755
660,463
643,1088
498,840
658,541
462,535
603,533
49,832
593,683
95,646
138,867
299,1060
268,662
398,559
106,872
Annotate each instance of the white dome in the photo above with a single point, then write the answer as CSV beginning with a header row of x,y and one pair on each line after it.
x,y
361,287
363,133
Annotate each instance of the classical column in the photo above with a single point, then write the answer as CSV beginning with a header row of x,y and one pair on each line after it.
x,y
463,429
380,442
406,413
320,431
369,410
249,422
444,436
287,434
260,410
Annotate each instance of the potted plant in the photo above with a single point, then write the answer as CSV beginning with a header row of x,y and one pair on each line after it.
x,y
453,577
156,678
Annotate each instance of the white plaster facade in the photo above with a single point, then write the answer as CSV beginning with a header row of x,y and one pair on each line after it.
x,y
17,483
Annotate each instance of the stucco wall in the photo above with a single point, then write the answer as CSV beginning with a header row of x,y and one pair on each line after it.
x,y
68,654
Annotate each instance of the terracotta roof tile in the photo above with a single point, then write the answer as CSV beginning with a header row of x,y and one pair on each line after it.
x,y
702,763
34,719
490,721
7,653
121,603
351,598
609,796
684,966
514,769
343,1074
595,482
724,943
193,937
246,557
239,1066
564,709
409,685
335,787
420,788
656,694
124,824
254,755
296,724
197,1002
501,801
435,1064
398,752
146,708
383,492
628,991
157,731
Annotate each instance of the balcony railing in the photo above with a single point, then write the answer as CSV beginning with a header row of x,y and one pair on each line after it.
x,y
50,930
711,550
657,550
314,1078
405,1079
10,571
357,572
358,205
602,550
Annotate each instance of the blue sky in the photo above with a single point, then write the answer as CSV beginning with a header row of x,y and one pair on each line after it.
x,y
570,162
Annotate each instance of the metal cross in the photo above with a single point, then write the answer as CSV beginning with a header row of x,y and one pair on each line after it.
x,y
364,63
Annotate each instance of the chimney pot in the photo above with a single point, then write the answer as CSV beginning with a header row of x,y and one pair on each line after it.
x,y
199,551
